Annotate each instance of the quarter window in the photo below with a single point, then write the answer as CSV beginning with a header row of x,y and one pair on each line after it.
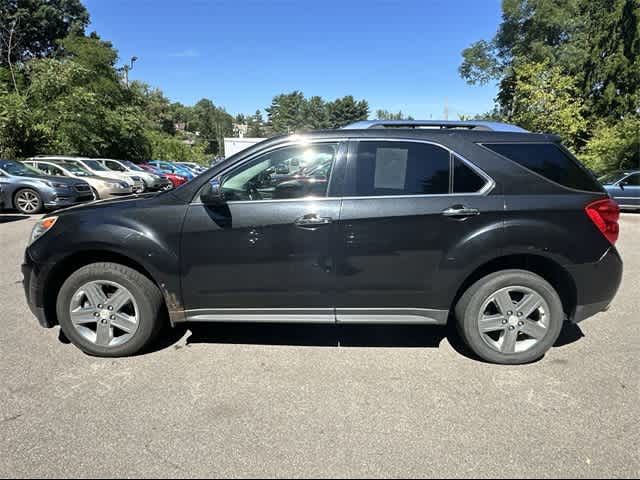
x,y
465,179
291,172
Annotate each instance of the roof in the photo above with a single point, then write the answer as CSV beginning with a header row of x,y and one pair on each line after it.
x,y
437,124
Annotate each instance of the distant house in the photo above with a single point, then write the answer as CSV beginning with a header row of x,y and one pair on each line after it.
x,y
240,130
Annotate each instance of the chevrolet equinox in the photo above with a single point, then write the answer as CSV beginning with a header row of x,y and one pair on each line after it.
x,y
483,224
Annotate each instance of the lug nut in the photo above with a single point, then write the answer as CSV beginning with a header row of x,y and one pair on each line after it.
x,y
99,305
519,314
112,317
520,324
96,314
509,312
110,307
511,327
504,321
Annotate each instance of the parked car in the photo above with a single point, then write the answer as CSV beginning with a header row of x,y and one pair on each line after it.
x,y
95,167
30,191
175,179
483,224
102,187
171,167
152,182
193,167
624,187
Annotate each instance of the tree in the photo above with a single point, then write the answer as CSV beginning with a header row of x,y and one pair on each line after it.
x,y
287,112
346,110
256,125
31,28
387,115
595,41
546,100
213,124
614,147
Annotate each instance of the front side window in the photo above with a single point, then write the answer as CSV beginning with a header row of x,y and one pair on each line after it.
x,y
291,172
51,170
95,165
632,180
115,166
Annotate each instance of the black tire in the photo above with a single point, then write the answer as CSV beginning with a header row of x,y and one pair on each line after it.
x,y
468,311
96,195
147,296
38,199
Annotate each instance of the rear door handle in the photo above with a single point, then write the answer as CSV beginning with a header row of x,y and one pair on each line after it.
x,y
312,220
460,211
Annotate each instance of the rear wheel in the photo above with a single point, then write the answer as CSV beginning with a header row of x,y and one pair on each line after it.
x,y
510,317
28,201
109,310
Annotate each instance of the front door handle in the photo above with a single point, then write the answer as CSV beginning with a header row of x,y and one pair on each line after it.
x,y
312,220
460,211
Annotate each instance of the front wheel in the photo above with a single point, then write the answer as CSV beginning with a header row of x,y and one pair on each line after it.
x,y
109,310
510,317
28,201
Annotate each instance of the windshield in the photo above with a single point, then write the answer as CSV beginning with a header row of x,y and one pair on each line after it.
x,y
17,168
133,166
95,165
612,177
76,169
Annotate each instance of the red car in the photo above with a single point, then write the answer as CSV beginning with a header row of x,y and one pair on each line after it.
x,y
177,180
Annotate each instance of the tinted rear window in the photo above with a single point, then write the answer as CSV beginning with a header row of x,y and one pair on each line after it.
x,y
550,161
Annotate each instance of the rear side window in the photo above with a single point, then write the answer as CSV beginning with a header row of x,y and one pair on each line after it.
x,y
550,161
465,180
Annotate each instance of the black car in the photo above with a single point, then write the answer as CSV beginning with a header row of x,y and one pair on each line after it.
x,y
494,228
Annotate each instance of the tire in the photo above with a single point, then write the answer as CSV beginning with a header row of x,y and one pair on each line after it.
x,y
28,201
96,195
506,338
146,304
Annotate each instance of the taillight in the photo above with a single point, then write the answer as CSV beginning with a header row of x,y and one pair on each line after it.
x,y
605,215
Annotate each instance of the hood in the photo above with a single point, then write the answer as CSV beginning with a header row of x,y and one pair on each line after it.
x,y
122,202
70,181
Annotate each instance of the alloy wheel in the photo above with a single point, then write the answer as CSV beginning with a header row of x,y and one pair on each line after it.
x,y
513,319
104,313
28,202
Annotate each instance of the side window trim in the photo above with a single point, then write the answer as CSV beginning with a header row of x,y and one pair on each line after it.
x,y
485,190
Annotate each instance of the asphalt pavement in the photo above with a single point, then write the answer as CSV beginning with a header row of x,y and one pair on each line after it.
x,y
318,401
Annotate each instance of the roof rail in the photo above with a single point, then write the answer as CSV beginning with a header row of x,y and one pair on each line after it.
x,y
436,124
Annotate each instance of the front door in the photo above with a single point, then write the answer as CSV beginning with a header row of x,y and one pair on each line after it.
x,y
627,192
267,253
407,205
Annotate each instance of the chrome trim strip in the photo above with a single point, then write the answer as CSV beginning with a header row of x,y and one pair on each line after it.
x,y
488,187
392,315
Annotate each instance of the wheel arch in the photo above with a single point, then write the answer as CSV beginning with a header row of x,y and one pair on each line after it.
x,y
554,273
65,267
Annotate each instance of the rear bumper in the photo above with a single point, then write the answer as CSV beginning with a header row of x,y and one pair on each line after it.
x,y
596,284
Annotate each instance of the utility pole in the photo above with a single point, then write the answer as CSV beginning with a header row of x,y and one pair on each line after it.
x,y
126,70
446,108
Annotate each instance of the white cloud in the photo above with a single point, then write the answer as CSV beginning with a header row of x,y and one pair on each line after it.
x,y
188,53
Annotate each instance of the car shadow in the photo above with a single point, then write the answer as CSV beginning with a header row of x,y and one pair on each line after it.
x,y
12,218
334,335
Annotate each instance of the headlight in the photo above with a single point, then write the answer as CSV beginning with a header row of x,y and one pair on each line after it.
x,y
55,184
42,227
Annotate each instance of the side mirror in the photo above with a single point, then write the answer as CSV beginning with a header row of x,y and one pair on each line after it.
x,y
212,194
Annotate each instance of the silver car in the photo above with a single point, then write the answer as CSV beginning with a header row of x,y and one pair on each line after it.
x,y
102,187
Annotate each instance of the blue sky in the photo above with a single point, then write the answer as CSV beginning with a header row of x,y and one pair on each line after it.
x,y
400,55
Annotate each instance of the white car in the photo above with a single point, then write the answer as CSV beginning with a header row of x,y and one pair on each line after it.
x,y
97,168
151,181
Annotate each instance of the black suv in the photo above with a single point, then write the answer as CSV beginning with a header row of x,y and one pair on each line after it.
x,y
484,224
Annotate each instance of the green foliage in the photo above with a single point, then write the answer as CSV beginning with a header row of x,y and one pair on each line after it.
x,y
570,67
167,147
614,146
213,124
292,111
256,125
546,100
387,115
31,28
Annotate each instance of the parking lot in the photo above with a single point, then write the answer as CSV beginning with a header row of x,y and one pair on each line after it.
x,y
312,401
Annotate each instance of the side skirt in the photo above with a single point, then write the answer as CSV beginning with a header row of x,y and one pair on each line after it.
x,y
401,316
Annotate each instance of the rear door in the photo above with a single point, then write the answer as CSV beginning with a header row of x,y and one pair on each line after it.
x,y
410,211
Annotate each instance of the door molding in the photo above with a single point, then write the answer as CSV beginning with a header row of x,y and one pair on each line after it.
x,y
394,315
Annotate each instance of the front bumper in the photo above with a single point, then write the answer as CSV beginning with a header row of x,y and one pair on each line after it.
x,y
596,284
34,291
67,198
